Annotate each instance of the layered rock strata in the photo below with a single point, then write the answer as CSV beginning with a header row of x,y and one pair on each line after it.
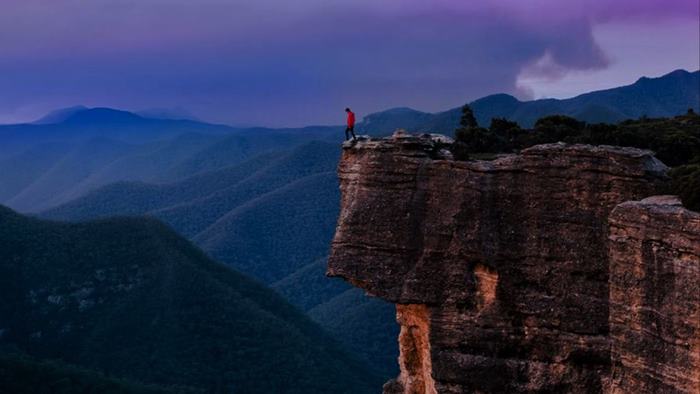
x,y
499,268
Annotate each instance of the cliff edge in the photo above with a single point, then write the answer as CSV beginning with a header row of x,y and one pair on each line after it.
x,y
500,269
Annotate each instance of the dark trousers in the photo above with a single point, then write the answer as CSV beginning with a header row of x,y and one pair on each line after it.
x,y
351,129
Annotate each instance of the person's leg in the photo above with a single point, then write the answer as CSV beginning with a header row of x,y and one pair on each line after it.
x,y
352,130
347,136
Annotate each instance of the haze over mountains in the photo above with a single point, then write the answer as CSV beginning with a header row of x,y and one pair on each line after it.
x,y
107,146
79,124
256,203
263,201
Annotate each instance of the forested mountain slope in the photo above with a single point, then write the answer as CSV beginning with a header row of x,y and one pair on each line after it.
x,y
132,298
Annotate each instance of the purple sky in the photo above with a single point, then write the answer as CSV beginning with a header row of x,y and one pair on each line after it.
x,y
289,63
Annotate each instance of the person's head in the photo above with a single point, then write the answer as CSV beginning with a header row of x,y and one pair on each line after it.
x,y
347,109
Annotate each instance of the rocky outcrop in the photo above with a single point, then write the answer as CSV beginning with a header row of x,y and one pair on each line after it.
x,y
655,297
500,268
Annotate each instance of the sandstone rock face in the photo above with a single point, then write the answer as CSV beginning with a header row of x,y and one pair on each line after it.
x,y
655,297
499,269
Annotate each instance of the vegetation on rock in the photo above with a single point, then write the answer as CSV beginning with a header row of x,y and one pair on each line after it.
x,y
675,141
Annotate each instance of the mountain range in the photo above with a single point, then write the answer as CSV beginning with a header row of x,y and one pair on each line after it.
x,y
74,125
53,171
669,95
262,201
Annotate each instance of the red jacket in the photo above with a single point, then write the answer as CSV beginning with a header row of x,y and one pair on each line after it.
x,y
351,119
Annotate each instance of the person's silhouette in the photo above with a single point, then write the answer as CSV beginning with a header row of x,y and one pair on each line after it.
x,y
351,125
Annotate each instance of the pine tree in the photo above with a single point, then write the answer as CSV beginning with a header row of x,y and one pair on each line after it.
x,y
467,135
468,120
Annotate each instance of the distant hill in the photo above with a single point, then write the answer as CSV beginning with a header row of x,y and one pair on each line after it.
x,y
96,116
131,298
168,113
360,321
669,95
79,123
67,171
267,217
308,286
140,198
364,324
51,173
29,166
194,217
280,231
60,115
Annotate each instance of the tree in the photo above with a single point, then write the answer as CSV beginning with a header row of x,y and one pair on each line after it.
x,y
506,132
465,134
556,128
685,182
468,120
470,138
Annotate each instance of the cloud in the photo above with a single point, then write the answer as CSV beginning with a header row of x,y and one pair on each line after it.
x,y
282,63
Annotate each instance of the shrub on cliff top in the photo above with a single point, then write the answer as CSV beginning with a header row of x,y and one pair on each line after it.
x,y
676,142
470,138
466,139
685,182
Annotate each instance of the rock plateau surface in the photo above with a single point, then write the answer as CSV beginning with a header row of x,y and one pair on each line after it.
x,y
534,272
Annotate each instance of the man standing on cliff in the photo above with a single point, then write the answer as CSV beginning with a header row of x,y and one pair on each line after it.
x,y
351,125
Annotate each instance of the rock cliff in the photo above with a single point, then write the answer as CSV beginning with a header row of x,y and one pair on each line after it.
x,y
500,269
655,297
